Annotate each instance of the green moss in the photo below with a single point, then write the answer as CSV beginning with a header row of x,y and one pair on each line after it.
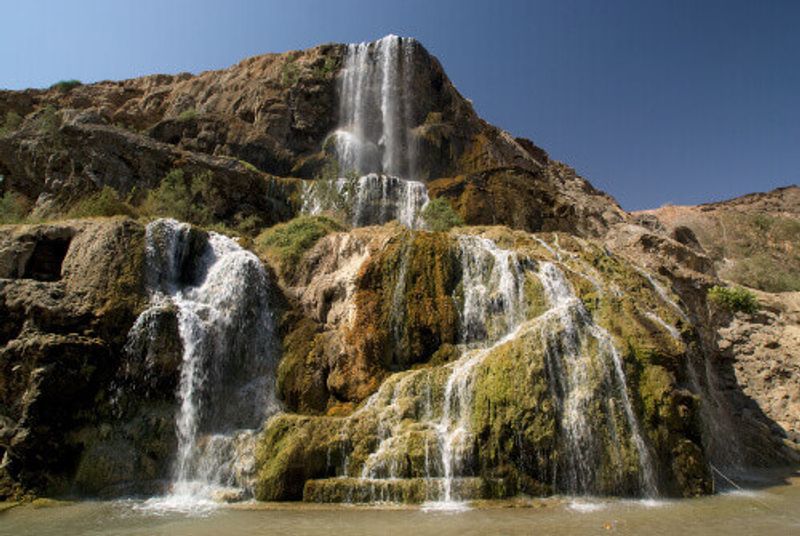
x,y
293,449
187,115
301,382
284,244
513,416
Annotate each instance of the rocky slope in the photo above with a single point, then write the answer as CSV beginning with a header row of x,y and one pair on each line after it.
x,y
754,240
267,117
337,350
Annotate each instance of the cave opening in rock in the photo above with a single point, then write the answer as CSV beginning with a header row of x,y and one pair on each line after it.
x,y
46,259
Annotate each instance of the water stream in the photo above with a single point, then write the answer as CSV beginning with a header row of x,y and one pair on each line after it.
x,y
587,385
226,386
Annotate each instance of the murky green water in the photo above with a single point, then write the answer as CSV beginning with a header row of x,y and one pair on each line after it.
x,y
765,512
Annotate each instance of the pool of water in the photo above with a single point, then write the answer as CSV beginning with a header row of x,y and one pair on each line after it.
x,y
767,511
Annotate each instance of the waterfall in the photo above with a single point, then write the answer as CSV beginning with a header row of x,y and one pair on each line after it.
x,y
375,108
583,383
720,437
226,386
373,142
369,200
493,284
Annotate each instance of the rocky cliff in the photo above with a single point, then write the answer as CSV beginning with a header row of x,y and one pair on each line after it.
x,y
414,306
271,117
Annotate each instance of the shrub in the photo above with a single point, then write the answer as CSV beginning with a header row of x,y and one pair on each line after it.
x,y
13,208
286,243
733,299
106,202
290,73
11,123
439,216
66,85
181,197
187,115
47,120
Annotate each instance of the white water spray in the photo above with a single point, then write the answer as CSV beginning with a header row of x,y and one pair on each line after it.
x,y
226,386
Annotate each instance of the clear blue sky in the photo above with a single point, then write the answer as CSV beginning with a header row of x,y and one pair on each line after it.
x,y
653,101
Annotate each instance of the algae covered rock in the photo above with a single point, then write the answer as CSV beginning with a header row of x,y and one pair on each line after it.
x,y
492,400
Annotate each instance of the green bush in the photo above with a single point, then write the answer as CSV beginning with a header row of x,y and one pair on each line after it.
x,y
285,243
47,120
187,115
182,197
11,123
13,208
106,202
439,216
66,85
733,299
290,74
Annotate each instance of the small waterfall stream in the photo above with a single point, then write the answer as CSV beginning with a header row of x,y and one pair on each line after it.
x,y
493,282
376,108
368,200
373,141
226,385
492,310
583,383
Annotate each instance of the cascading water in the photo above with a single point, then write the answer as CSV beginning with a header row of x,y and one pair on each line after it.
x,y
721,440
583,383
376,108
373,140
492,310
492,281
369,200
226,385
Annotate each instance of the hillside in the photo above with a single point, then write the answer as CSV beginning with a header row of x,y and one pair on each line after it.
x,y
320,276
754,240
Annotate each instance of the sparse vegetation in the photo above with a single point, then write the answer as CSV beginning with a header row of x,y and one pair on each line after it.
x,y
439,216
106,202
47,120
182,197
733,299
328,66
290,73
11,122
13,208
187,115
756,250
66,85
285,243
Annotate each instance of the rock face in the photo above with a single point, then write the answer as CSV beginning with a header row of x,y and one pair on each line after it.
x,y
456,386
556,344
275,116
68,292
753,240
764,350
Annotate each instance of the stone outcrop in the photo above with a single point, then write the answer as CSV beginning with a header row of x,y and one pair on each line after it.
x,y
415,365
269,117
753,240
82,409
